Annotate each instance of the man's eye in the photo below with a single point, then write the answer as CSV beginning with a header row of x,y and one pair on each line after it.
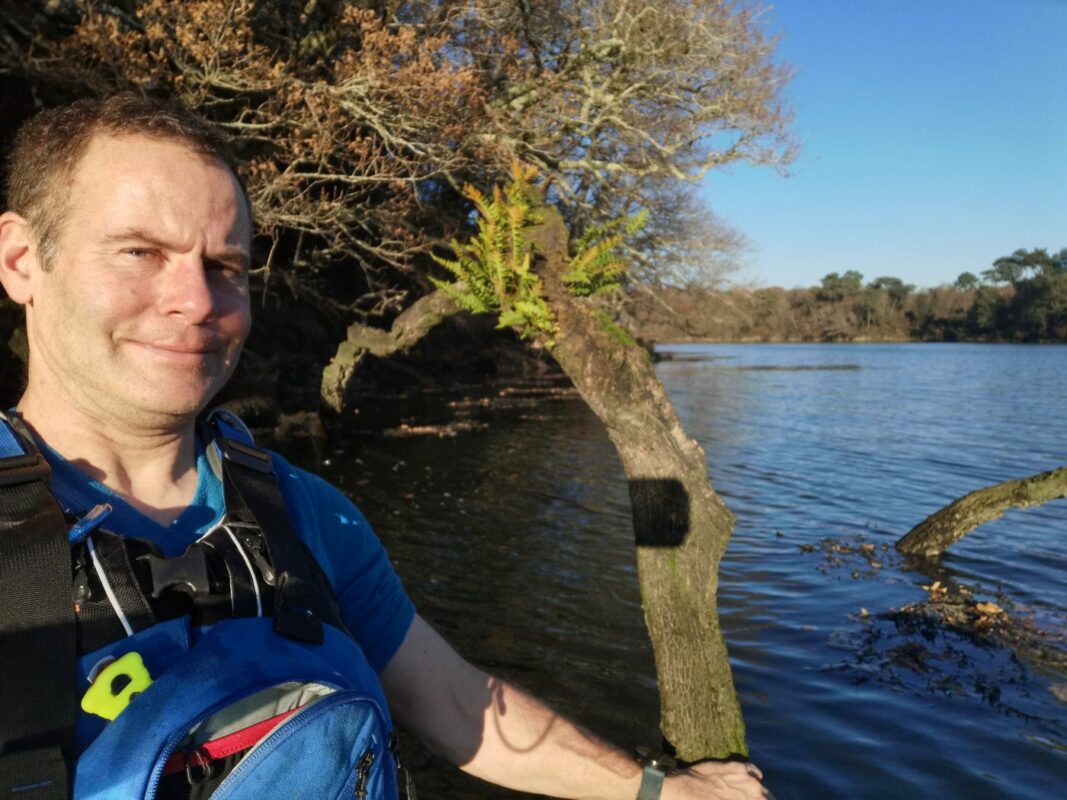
x,y
227,269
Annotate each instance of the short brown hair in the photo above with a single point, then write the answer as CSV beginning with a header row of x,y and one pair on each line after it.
x,y
49,146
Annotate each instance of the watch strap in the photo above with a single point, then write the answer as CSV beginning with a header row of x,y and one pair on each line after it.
x,y
651,783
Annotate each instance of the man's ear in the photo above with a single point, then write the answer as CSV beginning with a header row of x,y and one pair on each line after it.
x,y
18,257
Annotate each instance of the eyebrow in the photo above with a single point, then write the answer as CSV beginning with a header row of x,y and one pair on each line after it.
x,y
235,256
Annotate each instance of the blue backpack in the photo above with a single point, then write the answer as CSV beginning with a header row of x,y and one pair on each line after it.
x,y
226,672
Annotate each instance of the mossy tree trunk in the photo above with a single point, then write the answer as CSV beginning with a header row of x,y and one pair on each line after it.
x,y
941,529
680,523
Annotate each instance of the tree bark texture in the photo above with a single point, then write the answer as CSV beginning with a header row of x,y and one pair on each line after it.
x,y
956,520
680,523
363,341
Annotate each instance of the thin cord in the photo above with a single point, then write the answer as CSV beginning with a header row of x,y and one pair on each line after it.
x,y
107,587
251,571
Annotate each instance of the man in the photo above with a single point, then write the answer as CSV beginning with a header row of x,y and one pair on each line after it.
x,y
128,246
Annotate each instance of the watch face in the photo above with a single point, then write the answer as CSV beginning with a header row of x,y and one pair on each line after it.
x,y
656,759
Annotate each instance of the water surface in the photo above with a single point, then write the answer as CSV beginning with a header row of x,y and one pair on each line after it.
x,y
515,541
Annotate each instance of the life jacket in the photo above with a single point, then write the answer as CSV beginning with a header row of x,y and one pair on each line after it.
x,y
255,688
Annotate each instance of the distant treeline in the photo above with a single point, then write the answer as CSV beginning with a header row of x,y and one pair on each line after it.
x,y
1021,298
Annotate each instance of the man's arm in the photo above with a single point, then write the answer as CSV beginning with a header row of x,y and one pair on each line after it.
x,y
499,733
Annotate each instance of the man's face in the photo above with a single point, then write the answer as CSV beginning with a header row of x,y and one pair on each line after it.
x,y
143,311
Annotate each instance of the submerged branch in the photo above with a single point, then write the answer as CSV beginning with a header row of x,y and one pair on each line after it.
x,y
956,520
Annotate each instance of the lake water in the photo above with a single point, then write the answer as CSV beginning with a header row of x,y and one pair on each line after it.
x,y
515,541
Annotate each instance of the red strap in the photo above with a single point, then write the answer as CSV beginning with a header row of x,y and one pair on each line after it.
x,y
225,746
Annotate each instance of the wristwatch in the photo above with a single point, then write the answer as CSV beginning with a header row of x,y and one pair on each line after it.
x,y
657,766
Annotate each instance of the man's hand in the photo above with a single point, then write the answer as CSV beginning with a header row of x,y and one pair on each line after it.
x,y
716,780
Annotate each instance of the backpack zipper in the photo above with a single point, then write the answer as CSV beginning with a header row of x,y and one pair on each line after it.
x,y
363,768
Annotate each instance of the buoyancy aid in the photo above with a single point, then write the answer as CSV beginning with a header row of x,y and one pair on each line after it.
x,y
255,687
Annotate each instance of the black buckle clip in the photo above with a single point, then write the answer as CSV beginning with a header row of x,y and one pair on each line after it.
x,y
23,469
294,617
188,573
246,456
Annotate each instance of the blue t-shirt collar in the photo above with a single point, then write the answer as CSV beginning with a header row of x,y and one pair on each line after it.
x,y
78,493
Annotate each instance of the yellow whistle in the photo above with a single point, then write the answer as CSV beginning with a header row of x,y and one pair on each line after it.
x,y
115,686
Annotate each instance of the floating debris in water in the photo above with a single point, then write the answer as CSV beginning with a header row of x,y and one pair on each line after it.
x,y
441,431
958,640
566,392
838,554
953,607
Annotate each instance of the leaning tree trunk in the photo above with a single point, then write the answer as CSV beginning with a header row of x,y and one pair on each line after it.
x,y
956,520
681,524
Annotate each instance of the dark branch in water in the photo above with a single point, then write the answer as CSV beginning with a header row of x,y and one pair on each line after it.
x,y
414,323
934,534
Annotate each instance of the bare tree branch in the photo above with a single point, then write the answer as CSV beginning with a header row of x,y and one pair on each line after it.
x,y
947,526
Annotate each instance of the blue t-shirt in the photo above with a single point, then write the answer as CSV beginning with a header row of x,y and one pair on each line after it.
x,y
373,602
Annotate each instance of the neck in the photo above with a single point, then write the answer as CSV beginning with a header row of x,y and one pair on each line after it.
x,y
151,466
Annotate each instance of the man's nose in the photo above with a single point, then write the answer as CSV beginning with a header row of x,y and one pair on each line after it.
x,y
186,289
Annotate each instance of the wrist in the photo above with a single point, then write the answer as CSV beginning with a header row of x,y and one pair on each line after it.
x,y
655,767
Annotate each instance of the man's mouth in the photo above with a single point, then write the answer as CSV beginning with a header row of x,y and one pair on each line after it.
x,y
179,351
181,348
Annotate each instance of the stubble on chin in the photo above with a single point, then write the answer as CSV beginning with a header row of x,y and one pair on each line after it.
x,y
165,397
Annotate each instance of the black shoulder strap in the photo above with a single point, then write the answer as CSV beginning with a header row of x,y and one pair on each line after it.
x,y
252,492
38,700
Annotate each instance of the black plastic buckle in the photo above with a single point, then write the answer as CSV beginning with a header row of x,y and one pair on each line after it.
x,y
15,470
188,573
245,455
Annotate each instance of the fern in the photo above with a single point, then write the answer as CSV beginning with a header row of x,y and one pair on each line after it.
x,y
619,333
597,267
492,271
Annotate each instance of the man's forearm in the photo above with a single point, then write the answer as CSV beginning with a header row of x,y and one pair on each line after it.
x,y
500,733
496,731
526,745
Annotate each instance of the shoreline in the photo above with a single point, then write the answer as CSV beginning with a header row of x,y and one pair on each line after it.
x,y
858,340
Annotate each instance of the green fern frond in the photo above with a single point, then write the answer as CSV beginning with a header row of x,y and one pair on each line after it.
x,y
614,330
596,267
510,319
636,222
598,254
495,265
455,267
468,301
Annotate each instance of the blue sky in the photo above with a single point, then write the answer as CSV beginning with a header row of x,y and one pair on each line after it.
x,y
934,138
